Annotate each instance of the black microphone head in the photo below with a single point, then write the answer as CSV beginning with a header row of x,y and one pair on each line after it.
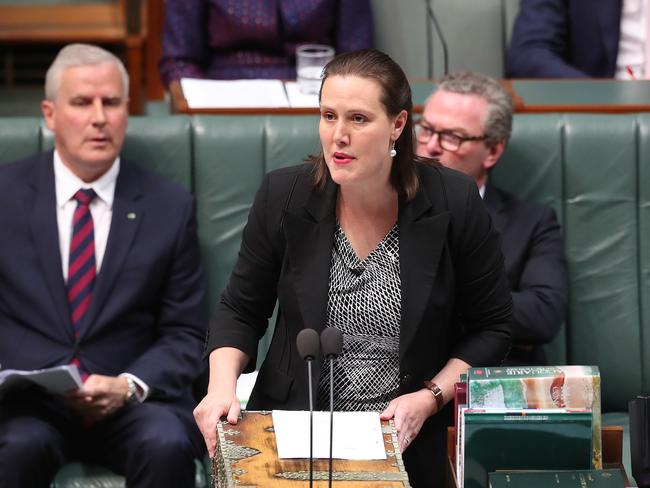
x,y
308,344
331,341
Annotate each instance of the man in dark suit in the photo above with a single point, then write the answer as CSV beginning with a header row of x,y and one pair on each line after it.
x,y
99,267
466,124
568,39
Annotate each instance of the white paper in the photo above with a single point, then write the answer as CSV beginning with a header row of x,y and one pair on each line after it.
x,y
245,384
357,435
57,380
234,93
298,98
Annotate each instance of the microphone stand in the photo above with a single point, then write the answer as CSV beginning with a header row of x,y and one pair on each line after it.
x,y
434,21
331,361
308,344
332,344
311,426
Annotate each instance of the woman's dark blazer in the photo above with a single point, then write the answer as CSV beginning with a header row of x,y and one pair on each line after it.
x,y
455,297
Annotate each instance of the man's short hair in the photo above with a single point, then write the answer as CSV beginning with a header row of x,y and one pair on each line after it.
x,y
80,55
498,123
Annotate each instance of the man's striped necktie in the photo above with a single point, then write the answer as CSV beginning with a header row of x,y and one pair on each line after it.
x,y
81,264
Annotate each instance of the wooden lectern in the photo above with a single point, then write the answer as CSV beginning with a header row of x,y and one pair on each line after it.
x,y
247,457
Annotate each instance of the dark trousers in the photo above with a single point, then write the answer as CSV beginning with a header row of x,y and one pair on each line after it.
x,y
148,443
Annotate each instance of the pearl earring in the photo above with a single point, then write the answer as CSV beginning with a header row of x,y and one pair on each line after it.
x,y
393,152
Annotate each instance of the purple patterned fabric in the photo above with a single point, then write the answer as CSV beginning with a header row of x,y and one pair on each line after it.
x,y
230,39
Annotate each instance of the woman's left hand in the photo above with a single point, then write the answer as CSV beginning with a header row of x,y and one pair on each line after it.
x,y
409,413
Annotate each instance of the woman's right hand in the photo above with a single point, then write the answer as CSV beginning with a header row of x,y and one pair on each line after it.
x,y
226,364
209,412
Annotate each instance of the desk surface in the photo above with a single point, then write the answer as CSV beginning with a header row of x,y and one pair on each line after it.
x,y
530,96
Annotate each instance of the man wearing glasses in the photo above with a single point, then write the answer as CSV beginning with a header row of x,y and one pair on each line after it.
x,y
466,125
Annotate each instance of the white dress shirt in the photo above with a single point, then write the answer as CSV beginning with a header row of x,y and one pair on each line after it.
x,y
630,61
66,184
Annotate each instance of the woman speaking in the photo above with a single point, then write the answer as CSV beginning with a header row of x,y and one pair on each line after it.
x,y
396,251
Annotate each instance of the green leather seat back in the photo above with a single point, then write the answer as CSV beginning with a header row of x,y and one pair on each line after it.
x,y
228,169
289,139
601,218
592,170
531,168
18,137
163,145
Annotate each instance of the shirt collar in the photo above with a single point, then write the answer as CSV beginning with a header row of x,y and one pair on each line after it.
x,y
481,191
67,183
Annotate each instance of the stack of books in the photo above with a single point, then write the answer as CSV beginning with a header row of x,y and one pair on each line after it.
x,y
526,418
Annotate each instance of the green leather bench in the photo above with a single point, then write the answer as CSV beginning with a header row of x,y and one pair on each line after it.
x,y
594,170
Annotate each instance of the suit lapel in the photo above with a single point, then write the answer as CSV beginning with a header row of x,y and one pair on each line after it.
x,y
128,212
496,207
422,236
45,232
309,245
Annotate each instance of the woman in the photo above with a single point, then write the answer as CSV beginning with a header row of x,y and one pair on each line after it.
x,y
396,251
231,39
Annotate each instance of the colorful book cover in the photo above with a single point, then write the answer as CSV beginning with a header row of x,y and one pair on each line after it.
x,y
587,478
507,439
539,387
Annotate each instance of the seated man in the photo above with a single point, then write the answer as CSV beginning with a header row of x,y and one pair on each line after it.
x,y
579,38
466,125
99,267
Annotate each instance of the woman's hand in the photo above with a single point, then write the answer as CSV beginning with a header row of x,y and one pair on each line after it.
x,y
208,412
226,364
409,413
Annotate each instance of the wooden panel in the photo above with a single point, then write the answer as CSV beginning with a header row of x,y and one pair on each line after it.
x,y
94,23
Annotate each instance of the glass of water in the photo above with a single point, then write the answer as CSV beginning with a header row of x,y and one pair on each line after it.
x,y
310,61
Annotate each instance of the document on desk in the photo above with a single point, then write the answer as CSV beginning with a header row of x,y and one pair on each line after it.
x,y
357,435
56,380
234,93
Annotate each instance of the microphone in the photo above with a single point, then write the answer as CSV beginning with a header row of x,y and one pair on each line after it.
x,y
443,42
308,347
332,344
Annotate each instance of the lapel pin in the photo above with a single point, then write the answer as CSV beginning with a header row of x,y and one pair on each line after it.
x,y
131,216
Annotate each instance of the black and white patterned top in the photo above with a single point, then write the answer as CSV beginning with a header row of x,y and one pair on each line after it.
x,y
364,302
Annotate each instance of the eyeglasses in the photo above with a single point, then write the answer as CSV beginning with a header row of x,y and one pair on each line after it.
x,y
448,140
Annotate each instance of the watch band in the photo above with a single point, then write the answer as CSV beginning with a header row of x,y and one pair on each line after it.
x,y
436,392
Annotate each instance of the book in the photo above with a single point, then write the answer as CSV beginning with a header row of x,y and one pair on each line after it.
x,y
56,380
587,478
531,439
534,387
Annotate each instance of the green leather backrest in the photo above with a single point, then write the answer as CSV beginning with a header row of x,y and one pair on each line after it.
x,y
593,169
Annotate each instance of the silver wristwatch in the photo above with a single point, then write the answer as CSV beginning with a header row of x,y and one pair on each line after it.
x,y
132,393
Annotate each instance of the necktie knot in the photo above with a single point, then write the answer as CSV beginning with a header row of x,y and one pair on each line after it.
x,y
85,196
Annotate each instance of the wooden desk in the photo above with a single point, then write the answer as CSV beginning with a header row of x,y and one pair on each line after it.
x,y
543,96
530,96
